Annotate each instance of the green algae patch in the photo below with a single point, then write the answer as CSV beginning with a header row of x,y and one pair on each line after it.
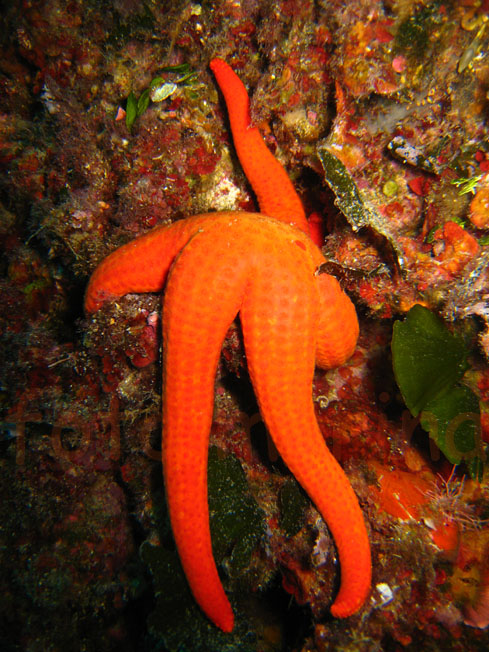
x,y
157,91
414,33
136,107
176,618
293,504
236,527
429,361
427,358
236,520
453,421
131,109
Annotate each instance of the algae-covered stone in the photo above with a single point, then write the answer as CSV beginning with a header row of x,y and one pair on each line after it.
x,y
236,526
413,35
176,618
236,519
292,506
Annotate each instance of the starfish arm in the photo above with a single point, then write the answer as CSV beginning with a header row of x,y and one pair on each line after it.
x,y
138,266
275,193
201,300
278,321
334,344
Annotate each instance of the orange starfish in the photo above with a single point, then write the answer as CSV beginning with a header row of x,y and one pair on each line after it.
x,y
214,266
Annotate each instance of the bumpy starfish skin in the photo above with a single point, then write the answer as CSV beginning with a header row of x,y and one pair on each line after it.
x,y
275,193
214,266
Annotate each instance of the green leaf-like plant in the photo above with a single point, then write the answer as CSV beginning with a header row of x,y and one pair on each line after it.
x,y
467,184
131,109
427,358
136,107
429,361
143,102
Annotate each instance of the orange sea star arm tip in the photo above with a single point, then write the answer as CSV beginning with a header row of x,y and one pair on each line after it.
x,y
349,602
355,587
226,621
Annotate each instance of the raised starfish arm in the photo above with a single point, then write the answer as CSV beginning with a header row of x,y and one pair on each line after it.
x,y
275,193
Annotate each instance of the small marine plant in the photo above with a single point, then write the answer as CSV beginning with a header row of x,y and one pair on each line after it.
x,y
429,365
158,90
